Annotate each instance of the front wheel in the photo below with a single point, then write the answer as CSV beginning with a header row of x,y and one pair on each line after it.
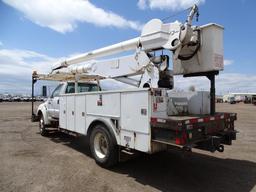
x,y
42,128
103,146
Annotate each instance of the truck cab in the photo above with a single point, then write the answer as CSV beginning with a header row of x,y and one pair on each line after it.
x,y
48,112
254,99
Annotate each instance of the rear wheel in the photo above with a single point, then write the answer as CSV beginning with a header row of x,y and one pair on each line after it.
x,y
103,146
42,128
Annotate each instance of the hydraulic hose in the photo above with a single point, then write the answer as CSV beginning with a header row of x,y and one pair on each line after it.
x,y
198,44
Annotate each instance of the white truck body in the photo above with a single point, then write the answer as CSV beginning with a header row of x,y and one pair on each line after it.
x,y
130,108
135,117
127,113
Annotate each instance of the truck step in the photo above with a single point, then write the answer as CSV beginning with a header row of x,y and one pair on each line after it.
x,y
127,151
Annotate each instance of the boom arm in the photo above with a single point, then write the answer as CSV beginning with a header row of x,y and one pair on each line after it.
x,y
102,52
195,50
155,35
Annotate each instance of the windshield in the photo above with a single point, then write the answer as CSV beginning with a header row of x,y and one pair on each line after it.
x,y
56,92
81,87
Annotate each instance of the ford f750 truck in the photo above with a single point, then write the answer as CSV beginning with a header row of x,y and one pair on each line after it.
x,y
151,116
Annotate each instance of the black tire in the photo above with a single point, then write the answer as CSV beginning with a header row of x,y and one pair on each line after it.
x,y
103,146
42,128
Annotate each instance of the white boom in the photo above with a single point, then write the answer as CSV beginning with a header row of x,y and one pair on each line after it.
x,y
155,35
195,50
102,52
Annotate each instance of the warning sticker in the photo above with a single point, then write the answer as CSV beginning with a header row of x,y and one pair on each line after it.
x,y
218,61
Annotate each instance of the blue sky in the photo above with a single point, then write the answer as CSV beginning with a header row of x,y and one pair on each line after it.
x,y
36,33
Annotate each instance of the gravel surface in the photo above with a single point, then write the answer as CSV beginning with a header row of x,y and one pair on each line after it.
x,y
59,162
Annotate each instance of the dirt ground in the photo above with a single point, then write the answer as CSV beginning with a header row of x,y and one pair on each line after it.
x,y
30,162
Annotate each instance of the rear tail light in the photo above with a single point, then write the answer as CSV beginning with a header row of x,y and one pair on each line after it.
x,y
153,120
181,138
178,141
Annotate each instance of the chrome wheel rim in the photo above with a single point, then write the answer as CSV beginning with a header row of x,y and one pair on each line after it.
x,y
41,124
100,145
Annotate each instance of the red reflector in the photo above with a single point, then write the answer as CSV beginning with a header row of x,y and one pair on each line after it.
x,y
206,119
193,120
217,117
153,120
177,141
181,140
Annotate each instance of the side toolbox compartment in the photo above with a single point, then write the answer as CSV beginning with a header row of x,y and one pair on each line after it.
x,y
135,125
70,113
80,120
63,112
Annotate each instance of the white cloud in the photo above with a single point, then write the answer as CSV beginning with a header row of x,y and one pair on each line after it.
x,y
64,15
174,5
16,67
228,62
22,62
1,44
225,82
142,4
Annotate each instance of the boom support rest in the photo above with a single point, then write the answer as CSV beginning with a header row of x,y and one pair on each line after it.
x,y
211,76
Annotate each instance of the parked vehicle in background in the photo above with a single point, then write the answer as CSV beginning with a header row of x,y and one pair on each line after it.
x,y
7,98
247,100
232,100
226,98
219,99
239,98
254,99
16,99
229,98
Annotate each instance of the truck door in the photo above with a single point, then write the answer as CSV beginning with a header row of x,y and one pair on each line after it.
x,y
53,102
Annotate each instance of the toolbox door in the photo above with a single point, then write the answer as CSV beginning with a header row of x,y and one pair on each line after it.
x,y
71,113
63,112
80,114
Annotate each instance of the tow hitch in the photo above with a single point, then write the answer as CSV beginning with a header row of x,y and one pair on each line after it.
x,y
212,144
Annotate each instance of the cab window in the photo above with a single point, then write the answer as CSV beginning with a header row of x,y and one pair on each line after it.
x,y
87,87
81,87
70,88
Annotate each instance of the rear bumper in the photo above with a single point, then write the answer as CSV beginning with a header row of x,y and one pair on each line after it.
x,y
208,133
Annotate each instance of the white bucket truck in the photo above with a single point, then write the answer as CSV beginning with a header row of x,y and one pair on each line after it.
x,y
152,116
